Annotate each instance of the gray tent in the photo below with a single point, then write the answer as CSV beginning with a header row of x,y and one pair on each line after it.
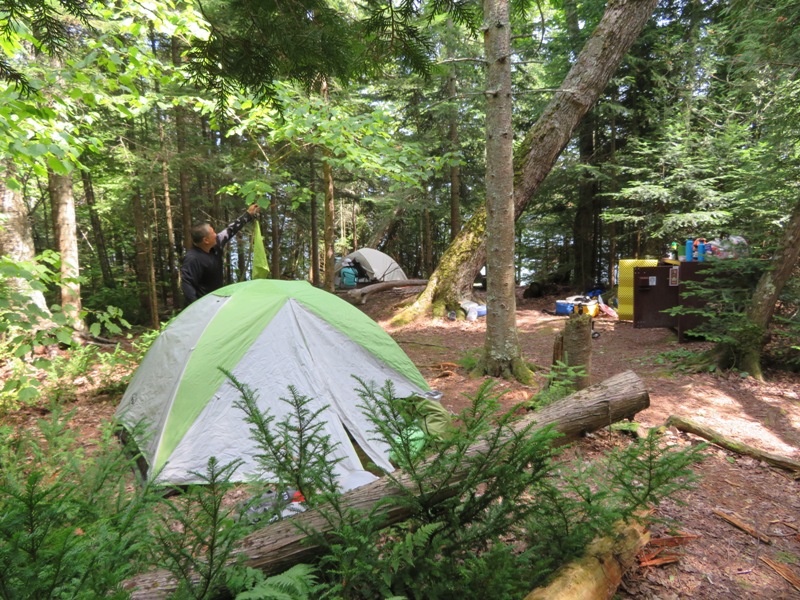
x,y
270,334
379,266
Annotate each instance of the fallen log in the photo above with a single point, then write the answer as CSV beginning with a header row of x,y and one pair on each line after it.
x,y
359,295
280,545
689,426
598,573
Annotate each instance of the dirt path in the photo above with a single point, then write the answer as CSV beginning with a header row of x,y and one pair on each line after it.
x,y
724,563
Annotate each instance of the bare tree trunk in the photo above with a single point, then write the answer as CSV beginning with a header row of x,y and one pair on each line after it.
x,y
66,234
315,278
455,146
618,29
330,216
275,225
502,356
144,263
427,243
180,140
97,230
16,240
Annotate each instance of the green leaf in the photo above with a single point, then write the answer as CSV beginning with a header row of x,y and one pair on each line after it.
x,y
64,336
59,166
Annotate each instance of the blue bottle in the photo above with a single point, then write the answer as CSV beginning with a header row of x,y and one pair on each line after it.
x,y
701,251
689,249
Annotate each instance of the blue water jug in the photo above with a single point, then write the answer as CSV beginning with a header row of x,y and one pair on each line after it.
x,y
689,249
701,251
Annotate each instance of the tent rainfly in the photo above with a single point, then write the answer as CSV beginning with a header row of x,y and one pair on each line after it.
x,y
269,334
379,266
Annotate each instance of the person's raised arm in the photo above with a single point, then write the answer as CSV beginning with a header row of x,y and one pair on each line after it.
x,y
225,236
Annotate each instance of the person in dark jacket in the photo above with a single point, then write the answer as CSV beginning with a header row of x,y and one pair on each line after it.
x,y
201,272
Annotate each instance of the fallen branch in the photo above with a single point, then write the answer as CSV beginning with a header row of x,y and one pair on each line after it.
x,y
280,545
359,295
689,426
737,521
598,573
783,571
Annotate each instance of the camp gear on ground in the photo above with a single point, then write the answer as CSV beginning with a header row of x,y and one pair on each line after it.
x,y
270,334
348,276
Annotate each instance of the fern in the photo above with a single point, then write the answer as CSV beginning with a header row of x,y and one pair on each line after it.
x,y
295,584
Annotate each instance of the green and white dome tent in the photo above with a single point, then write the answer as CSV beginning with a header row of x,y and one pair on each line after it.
x,y
269,334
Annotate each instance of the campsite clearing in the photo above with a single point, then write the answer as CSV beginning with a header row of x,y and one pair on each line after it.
x,y
724,562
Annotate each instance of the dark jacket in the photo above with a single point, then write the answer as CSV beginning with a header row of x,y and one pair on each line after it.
x,y
201,272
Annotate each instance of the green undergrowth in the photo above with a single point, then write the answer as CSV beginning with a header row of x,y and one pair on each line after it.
x,y
77,524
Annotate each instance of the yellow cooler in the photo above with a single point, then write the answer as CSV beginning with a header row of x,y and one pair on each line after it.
x,y
625,290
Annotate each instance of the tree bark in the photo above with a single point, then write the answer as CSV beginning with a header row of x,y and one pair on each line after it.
x,y
66,234
16,240
576,347
97,230
329,210
145,273
180,140
280,545
275,236
502,356
616,32
315,278
454,147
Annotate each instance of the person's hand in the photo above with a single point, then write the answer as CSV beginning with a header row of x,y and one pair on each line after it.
x,y
253,209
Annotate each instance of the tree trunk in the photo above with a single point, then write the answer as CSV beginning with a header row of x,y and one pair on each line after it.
x,y
502,356
621,24
280,545
144,264
330,208
582,229
751,341
66,235
315,278
275,232
454,147
180,140
97,231
16,240
573,348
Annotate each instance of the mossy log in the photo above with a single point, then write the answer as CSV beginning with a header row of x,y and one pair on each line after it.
x,y
280,545
718,439
598,573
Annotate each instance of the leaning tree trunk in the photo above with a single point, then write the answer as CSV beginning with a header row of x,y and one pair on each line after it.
x,y
621,24
280,545
750,341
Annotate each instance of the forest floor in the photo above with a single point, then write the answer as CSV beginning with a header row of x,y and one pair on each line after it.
x,y
723,562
